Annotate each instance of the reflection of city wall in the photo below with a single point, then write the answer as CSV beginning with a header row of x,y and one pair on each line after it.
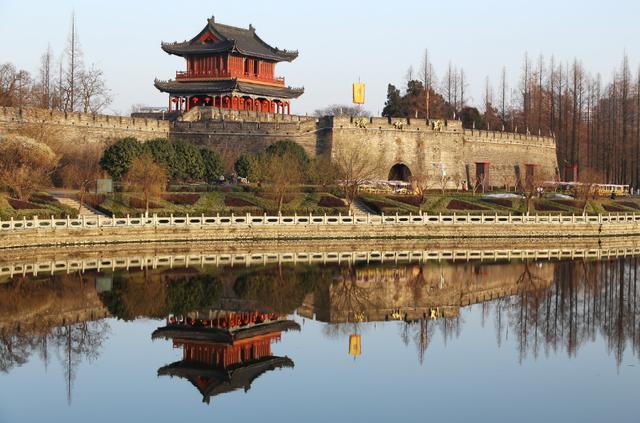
x,y
38,305
411,292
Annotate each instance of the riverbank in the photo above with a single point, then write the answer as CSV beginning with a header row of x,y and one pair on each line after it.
x,y
268,229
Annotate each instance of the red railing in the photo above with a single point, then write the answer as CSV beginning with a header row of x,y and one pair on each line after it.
x,y
249,76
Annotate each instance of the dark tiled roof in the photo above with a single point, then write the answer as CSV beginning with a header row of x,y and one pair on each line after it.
x,y
220,335
218,382
226,86
241,40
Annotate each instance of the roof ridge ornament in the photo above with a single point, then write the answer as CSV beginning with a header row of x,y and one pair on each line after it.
x,y
212,19
252,28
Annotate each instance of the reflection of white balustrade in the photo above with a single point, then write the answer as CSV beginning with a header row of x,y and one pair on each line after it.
x,y
247,220
257,259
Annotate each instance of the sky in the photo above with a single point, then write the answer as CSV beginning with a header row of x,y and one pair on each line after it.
x,y
340,42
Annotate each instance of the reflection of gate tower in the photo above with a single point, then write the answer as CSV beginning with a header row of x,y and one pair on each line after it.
x,y
224,352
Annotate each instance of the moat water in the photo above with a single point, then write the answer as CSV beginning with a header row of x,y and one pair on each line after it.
x,y
438,341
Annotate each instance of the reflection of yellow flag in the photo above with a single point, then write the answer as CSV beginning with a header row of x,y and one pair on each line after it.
x,y
358,93
355,348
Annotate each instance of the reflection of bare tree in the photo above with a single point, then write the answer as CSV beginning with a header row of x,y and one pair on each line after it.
x,y
76,343
587,298
14,350
352,297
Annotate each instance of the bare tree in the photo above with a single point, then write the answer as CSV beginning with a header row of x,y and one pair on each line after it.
x,y
25,165
93,92
532,186
45,79
74,68
586,188
355,163
81,169
343,110
282,173
427,75
147,177
503,97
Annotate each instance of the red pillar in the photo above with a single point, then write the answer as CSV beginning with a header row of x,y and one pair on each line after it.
x,y
170,104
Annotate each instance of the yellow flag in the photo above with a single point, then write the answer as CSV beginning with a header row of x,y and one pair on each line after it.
x,y
355,347
358,93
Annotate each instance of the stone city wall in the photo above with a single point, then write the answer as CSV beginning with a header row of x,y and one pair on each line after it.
x,y
430,148
81,127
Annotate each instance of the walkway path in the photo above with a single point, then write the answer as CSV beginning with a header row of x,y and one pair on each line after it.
x,y
359,207
63,198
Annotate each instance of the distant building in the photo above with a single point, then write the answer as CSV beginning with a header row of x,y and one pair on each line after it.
x,y
231,68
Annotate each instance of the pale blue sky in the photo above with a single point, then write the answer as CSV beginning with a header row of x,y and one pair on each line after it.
x,y
339,41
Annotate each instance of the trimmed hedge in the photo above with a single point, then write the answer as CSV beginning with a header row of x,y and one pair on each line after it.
x,y
43,198
182,199
139,204
630,204
411,200
330,202
23,205
504,202
237,202
464,205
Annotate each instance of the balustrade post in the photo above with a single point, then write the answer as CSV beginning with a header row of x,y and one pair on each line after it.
x,y
382,218
99,222
128,220
11,224
36,222
52,223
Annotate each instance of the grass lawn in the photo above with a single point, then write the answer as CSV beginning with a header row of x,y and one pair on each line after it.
x,y
241,201
39,204
224,204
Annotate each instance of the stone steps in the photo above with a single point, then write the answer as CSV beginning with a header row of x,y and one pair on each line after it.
x,y
75,204
359,207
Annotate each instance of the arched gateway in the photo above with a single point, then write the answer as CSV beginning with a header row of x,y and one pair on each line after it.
x,y
399,172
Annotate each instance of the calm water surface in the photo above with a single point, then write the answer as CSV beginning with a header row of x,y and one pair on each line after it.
x,y
519,341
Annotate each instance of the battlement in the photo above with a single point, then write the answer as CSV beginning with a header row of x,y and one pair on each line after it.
x,y
512,137
402,124
54,117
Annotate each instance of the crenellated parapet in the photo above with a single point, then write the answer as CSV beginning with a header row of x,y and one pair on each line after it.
x,y
87,127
